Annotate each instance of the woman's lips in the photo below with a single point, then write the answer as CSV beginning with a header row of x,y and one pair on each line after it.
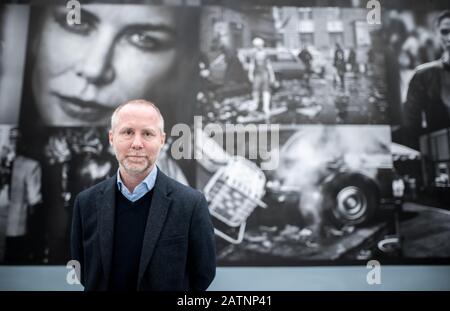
x,y
82,110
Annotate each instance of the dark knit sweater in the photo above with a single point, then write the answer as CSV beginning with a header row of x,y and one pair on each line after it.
x,y
129,227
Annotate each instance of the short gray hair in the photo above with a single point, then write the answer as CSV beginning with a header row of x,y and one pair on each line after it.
x,y
142,102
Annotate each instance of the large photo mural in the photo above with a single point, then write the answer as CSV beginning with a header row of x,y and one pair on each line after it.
x,y
356,114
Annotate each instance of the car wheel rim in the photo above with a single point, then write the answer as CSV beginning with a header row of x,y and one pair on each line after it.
x,y
351,203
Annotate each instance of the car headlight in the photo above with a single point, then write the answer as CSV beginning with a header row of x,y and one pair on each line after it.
x,y
398,188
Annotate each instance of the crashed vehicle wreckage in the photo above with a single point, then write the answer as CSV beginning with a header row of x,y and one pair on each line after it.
x,y
334,177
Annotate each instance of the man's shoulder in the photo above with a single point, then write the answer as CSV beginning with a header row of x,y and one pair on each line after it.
x,y
23,160
95,189
429,67
182,191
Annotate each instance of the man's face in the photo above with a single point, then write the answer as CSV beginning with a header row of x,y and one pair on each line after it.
x,y
444,33
82,72
13,137
137,138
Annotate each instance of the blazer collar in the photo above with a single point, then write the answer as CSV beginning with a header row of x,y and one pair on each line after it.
x,y
156,217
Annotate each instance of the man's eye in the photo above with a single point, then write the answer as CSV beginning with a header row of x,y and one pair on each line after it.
x,y
84,28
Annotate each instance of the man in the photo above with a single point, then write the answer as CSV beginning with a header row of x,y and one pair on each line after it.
x,y
339,64
261,75
427,106
351,59
141,230
23,175
306,57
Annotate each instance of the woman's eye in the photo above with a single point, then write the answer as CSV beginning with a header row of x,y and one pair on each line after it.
x,y
149,40
144,41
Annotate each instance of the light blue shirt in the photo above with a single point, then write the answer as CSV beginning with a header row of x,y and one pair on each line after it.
x,y
142,189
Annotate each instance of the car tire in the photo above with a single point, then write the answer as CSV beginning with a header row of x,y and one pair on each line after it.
x,y
349,199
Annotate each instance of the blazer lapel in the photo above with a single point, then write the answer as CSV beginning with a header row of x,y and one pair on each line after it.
x,y
106,208
156,217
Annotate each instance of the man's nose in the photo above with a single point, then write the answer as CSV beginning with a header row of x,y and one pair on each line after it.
x,y
96,66
137,142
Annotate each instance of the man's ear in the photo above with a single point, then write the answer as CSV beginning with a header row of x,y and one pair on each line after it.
x,y
163,138
110,135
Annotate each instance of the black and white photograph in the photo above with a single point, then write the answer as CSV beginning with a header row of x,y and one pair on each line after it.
x,y
363,161
6,158
418,52
75,76
13,40
20,200
412,39
291,65
331,197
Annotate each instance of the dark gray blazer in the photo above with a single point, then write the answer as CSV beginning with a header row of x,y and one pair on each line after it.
x,y
178,251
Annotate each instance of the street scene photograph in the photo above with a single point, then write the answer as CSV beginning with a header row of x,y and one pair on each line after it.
x,y
291,65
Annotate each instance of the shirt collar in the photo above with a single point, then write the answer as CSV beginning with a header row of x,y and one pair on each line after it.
x,y
149,181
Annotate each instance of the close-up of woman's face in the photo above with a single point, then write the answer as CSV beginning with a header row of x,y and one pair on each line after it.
x,y
117,53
